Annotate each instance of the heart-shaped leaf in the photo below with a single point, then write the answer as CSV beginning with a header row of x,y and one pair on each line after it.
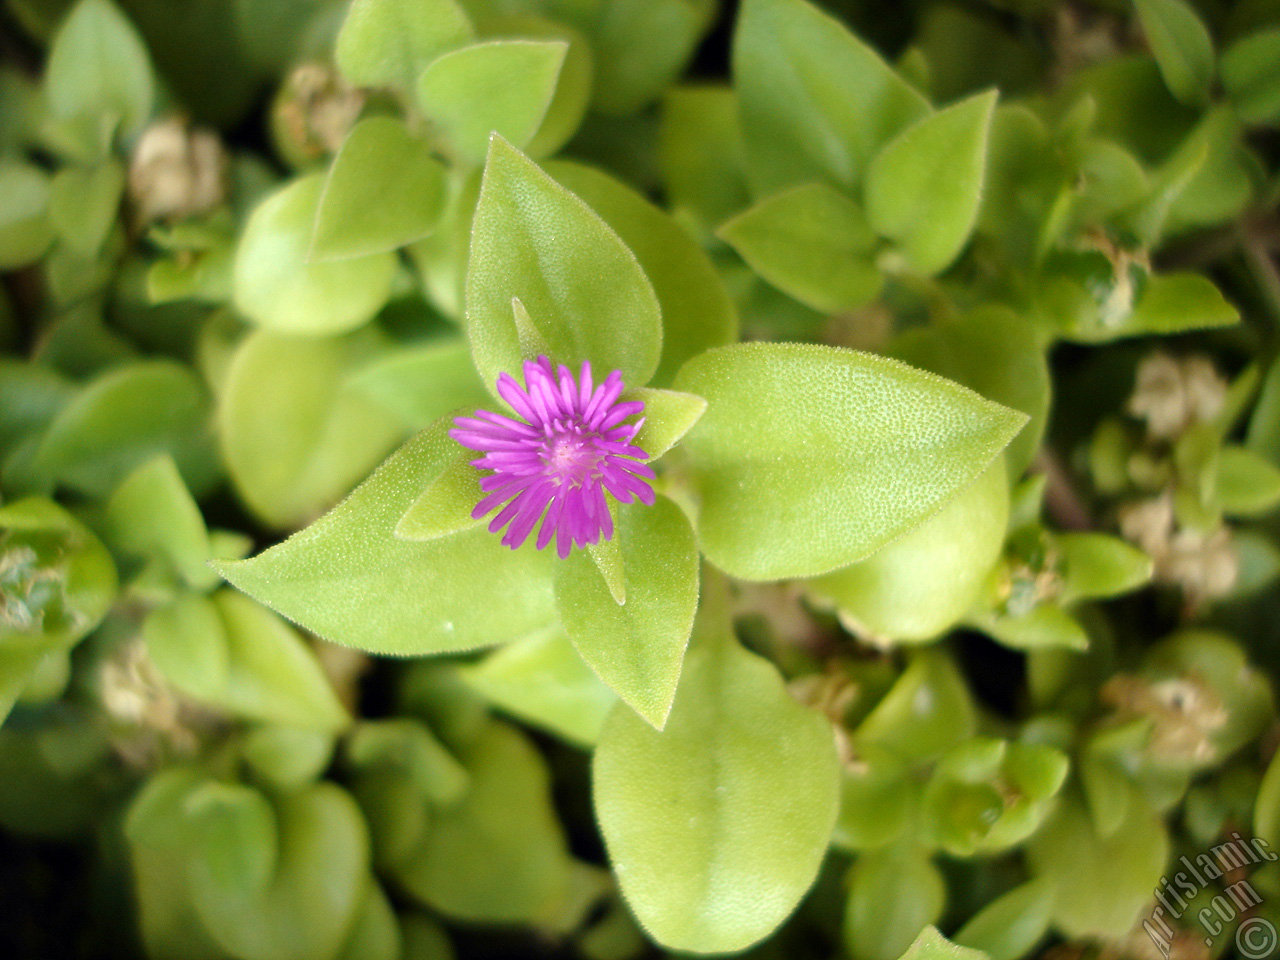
x,y
388,43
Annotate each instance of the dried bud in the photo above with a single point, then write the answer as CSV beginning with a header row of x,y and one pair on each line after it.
x,y
1172,394
1185,714
1204,564
176,172
313,113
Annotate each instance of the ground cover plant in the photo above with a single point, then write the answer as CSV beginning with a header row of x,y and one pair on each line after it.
x,y
629,478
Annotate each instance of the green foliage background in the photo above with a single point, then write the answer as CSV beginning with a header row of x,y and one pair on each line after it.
x,y
951,631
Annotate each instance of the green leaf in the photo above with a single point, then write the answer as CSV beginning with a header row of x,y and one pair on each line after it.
x,y
893,894
641,47
420,383
878,800
124,418
187,643
1010,926
931,945
408,745
1248,485
810,458
1095,565
388,43
636,647
276,286
444,507
1251,76
499,86
25,231
716,826
1176,302
499,855
152,513
543,681
1266,812
383,191
926,712
1182,47
1048,625
700,150
287,758
83,203
311,900
1102,883
995,352
697,312
236,835
923,583
816,102
668,416
349,579
587,294
99,68
375,931
811,242
923,189
295,435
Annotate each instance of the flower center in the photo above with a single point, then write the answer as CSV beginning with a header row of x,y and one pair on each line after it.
x,y
570,454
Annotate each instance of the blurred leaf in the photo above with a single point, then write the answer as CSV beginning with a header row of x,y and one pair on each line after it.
x,y
641,47
388,43
636,647
1102,884
350,580
312,899
1011,925
1181,45
878,800
582,286
419,383
151,513
499,855
384,191
1048,625
926,712
409,746
816,102
502,87
287,758
1251,76
235,830
124,418
99,71
923,189
25,231
375,932
542,680
853,451
1248,485
894,894
701,152
811,242
716,826
276,286
83,203
1095,565
295,434
696,310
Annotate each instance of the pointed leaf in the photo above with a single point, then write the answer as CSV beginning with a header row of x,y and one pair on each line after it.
x,y
500,86
584,289
1182,47
668,416
83,204
816,102
923,188
349,579
636,647
445,506
153,513
811,242
388,43
384,191
810,458
420,383
275,285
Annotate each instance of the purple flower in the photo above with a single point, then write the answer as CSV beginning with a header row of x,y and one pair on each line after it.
x,y
570,448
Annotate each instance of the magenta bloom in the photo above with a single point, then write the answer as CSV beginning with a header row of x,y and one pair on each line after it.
x,y
569,448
